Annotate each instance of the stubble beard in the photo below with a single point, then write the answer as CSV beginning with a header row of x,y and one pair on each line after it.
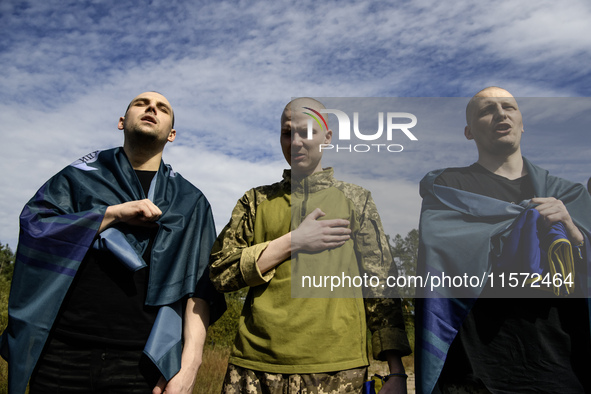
x,y
146,140
503,148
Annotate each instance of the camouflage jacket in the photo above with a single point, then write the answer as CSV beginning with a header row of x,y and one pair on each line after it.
x,y
281,329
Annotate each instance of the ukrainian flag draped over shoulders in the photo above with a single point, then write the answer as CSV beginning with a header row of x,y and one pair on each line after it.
x,y
463,233
59,225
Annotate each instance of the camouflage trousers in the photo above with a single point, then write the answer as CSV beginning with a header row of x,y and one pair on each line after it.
x,y
246,381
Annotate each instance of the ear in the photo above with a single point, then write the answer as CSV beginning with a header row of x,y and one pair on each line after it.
x,y
171,135
328,137
468,133
120,124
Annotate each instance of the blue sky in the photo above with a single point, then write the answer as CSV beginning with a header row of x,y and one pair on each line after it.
x,y
69,70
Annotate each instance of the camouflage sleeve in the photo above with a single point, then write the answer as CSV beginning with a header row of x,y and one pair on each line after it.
x,y
384,315
233,256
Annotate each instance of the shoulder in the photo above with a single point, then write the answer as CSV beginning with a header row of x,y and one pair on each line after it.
x,y
182,189
253,198
548,185
557,186
266,192
85,167
84,163
351,189
453,175
360,197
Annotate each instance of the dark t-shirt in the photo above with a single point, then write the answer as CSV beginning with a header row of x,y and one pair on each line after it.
x,y
105,304
522,345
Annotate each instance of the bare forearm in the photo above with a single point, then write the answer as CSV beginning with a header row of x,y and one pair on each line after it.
x,y
109,219
394,362
194,329
194,332
396,381
574,234
276,252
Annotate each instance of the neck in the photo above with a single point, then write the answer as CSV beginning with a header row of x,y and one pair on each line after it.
x,y
510,167
298,176
141,159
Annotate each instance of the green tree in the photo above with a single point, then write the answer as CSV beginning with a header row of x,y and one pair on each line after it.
x,y
6,262
405,253
6,270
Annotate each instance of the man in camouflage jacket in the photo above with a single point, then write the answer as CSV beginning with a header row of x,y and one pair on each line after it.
x,y
292,343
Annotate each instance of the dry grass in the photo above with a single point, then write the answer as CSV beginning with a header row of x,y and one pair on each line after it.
x,y
3,376
212,371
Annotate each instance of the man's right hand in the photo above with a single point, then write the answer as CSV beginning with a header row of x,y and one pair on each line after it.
x,y
312,235
315,235
136,213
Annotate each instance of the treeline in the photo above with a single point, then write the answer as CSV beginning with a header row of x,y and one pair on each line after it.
x,y
6,270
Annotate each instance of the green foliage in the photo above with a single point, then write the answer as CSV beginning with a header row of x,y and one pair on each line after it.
x,y
4,290
222,332
6,262
405,253
6,270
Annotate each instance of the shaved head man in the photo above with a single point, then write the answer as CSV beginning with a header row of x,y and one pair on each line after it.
x,y
111,291
536,338
294,344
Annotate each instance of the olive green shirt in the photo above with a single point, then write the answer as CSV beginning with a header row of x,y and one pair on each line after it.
x,y
279,333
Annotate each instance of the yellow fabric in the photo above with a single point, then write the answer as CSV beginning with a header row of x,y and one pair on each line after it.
x,y
560,259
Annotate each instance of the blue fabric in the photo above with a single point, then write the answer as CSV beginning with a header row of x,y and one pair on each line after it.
x,y
164,346
59,225
533,248
462,232
369,387
114,241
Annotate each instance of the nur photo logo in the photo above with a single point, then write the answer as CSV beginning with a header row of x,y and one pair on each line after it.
x,y
396,123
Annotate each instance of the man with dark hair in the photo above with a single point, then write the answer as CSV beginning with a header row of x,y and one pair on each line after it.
x,y
111,290
291,344
476,220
